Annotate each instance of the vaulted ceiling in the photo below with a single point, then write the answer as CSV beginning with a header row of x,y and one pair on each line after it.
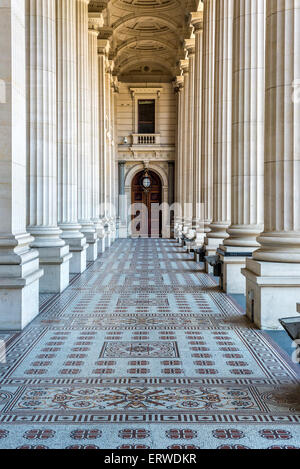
x,y
146,36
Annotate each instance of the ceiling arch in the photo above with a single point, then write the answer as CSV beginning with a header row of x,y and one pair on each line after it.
x,y
147,34
133,5
161,24
145,45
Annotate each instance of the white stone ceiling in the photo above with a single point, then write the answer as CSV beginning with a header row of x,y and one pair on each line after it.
x,y
146,36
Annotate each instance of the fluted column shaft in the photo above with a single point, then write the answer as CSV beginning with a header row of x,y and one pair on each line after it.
x,y
248,123
41,122
113,195
102,59
179,155
42,144
94,128
19,264
280,241
197,22
67,140
209,26
185,136
222,122
188,213
108,140
83,121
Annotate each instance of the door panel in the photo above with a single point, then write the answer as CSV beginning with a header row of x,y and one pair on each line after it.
x,y
146,214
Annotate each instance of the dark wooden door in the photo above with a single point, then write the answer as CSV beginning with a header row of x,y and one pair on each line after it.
x,y
146,213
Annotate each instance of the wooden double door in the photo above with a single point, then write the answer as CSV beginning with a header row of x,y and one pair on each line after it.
x,y
146,207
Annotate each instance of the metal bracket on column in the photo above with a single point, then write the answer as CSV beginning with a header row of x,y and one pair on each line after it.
x,y
292,327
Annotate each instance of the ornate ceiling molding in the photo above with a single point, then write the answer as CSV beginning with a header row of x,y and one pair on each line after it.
x,y
146,37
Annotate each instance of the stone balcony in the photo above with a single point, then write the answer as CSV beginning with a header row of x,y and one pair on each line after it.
x,y
146,139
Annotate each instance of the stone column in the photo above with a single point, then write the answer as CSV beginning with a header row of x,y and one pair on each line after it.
x,y
95,21
108,155
67,134
19,264
184,65
248,142
209,26
103,49
189,147
222,127
171,196
273,275
197,226
114,89
179,83
122,201
83,132
42,145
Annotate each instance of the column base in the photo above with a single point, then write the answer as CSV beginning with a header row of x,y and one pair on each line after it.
x,y
101,245
78,248
55,262
233,261
123,232
211,246
272,291
107,241
92,245
92,251
19,292
91,236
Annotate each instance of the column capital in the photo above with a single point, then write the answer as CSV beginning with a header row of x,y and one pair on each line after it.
x,y
103,47
115,84
196,20
178,83
184,65
189,45
96,22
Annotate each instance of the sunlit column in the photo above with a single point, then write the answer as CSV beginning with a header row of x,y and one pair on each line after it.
x,y
19,264
67,144
42,145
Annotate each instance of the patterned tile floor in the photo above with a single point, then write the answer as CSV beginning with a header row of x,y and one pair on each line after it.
x,y
144,351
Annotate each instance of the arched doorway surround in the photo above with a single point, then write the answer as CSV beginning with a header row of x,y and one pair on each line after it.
x,y
161,173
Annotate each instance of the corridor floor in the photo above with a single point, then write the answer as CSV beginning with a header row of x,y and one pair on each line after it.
x,y
144,351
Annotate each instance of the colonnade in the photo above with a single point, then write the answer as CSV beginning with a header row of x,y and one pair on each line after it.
x,y
245,157
57,172
238,146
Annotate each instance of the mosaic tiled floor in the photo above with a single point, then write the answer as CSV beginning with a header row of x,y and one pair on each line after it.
x,y
144,351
